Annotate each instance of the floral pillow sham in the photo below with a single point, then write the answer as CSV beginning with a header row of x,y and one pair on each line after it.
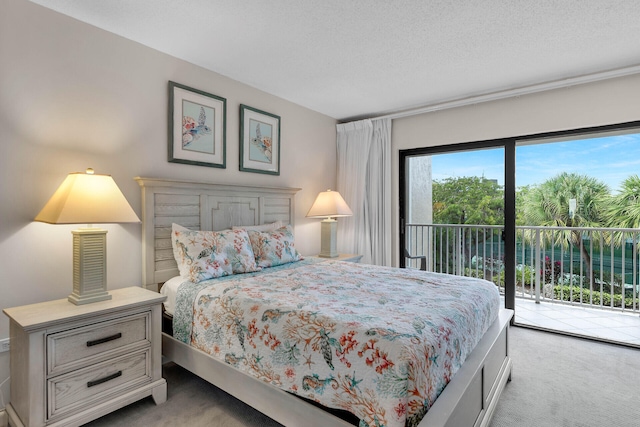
x,y
203,255
275,247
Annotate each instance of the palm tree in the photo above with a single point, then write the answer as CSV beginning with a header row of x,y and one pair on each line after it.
x,y
547,205
623,209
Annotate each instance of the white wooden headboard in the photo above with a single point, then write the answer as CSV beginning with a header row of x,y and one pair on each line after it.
x,y
201,206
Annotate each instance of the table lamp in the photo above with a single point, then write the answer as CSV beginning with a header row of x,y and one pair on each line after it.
x,y
88,198
329,205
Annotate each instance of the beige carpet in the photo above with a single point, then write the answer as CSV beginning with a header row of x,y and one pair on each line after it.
x,y
191,402
569,382
557,381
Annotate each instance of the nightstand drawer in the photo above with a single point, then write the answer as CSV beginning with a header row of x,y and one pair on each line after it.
x,y
75,348
80,389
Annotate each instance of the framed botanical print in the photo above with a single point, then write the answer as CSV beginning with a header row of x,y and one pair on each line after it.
x,y
259,141
197,127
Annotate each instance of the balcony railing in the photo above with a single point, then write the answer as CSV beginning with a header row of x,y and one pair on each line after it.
x,y
595,267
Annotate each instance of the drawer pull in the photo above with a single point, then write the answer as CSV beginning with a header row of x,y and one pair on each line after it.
x,y
104,340
105,379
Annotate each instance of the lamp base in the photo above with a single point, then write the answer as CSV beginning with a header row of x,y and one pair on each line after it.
x,y
89,266
87,299
328,232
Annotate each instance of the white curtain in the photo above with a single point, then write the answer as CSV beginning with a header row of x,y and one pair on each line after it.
x,y
364,181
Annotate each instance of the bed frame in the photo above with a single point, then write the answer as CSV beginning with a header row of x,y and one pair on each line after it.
x,y
469,399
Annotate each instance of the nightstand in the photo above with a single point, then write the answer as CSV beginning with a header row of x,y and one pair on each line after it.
x,y
71,364
343,257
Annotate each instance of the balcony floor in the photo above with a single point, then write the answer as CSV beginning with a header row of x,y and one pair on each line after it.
x,y
606,325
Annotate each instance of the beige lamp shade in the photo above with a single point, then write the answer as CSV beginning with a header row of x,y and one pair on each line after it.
x,y
87,198
329,204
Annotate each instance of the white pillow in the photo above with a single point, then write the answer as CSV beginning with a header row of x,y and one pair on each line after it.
x,y
263,227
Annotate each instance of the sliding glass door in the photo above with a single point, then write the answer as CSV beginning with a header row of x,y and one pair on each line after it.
x,y
552,219
578,229
454,212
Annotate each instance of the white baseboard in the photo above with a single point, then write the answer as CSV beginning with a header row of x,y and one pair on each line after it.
x,y
4,420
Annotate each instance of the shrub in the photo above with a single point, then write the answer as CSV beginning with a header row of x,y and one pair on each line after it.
x,y
586,296
524,276
551,270
492,265
571,280
477,273
606,278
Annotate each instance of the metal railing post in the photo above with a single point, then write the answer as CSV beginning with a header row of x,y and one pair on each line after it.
x,y
537,266
458,251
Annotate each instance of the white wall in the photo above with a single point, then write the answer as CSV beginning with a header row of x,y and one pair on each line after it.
x,y
73,96
595,104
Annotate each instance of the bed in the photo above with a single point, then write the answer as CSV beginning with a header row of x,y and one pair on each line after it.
x,y
471,392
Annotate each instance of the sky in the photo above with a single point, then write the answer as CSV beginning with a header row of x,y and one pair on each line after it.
x,y
609,159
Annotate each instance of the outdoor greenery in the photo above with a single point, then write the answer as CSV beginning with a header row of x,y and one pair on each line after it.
x,y
623,208
468,200
585,295
547,204
480,201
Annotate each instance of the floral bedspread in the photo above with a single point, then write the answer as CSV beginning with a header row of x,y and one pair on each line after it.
x,y
381,343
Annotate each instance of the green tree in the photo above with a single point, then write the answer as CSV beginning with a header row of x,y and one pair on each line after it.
x,y
622,210
468,200
547,204
521,195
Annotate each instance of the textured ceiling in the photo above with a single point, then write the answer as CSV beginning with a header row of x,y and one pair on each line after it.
x,y
358,58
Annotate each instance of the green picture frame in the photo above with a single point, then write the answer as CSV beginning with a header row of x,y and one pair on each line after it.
x,y
259,141
197,127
